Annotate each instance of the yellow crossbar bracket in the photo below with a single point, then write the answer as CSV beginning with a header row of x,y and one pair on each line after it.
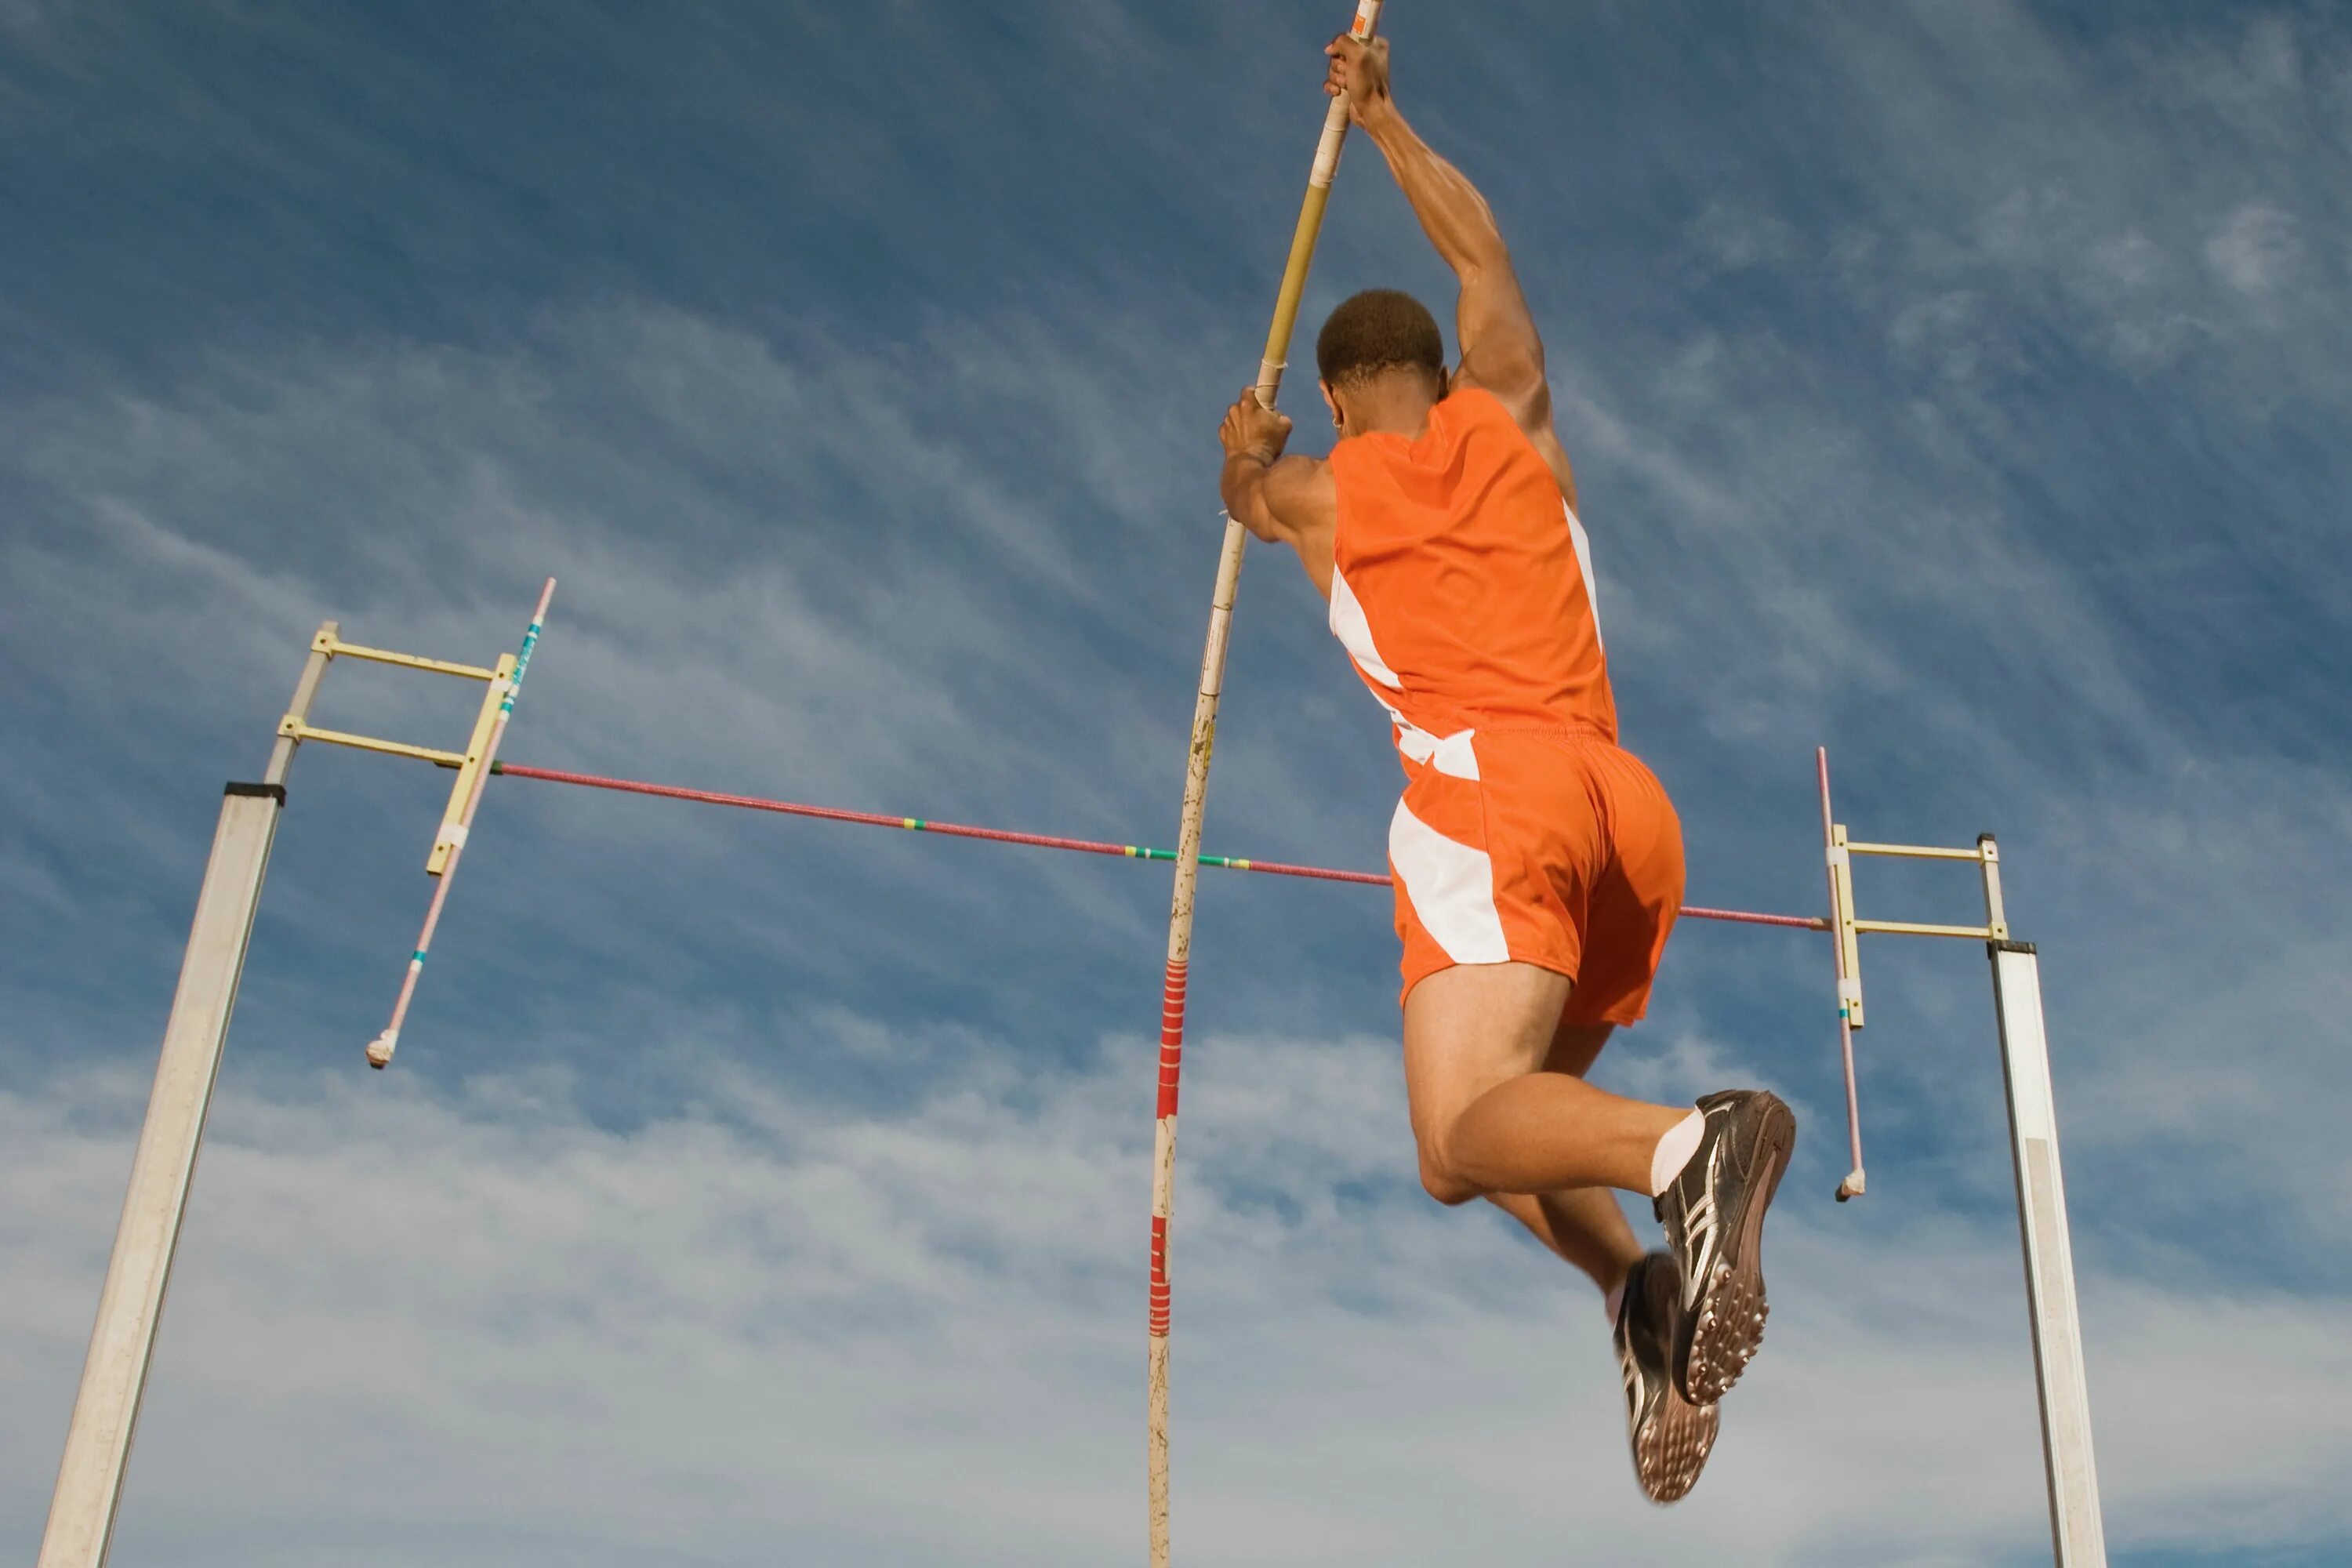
x,y
1912,928
1849,926
1915,852
498,680
293,729
334,646
452,819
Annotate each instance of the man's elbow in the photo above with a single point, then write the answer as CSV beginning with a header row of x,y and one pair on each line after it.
x,y
1258,519
1245,504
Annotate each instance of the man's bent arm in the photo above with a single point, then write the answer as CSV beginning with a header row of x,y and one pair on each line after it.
x,y
1265,492
1267,495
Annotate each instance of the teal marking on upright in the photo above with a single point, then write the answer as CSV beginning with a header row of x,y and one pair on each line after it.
x,y
522,663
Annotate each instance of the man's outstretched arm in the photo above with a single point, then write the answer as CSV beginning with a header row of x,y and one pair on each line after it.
x,y
1501,350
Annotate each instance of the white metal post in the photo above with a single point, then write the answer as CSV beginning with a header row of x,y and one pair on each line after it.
x,y
2077,1536
131,1304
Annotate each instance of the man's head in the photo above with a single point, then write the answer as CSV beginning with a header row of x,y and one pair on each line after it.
x,y
1377,349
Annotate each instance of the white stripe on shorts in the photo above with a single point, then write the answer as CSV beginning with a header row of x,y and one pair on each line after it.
x,y
1451,887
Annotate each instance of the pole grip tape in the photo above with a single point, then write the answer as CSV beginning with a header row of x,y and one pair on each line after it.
x,y
1171,1036
1269,383
1160,1295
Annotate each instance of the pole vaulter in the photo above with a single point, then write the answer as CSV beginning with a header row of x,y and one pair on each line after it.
x,y
1537,863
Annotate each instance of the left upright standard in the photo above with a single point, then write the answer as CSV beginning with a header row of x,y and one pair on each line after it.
x,y
114,1373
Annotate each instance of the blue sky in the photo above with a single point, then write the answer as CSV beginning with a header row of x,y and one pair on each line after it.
x,y
1962,388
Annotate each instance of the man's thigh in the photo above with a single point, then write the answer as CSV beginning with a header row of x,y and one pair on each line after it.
x,y
1471,1026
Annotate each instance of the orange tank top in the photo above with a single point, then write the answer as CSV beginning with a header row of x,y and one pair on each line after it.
x,y
1461,582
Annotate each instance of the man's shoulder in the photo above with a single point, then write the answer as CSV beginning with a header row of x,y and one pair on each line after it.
x,y
1301,486
1483,412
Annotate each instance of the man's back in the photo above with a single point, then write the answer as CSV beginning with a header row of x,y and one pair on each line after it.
x,y
1461,582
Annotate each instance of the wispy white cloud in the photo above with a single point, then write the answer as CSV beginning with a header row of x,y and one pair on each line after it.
x,y
1733,238
2255,250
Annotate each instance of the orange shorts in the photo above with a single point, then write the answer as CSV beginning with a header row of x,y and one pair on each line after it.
x,y
1548,847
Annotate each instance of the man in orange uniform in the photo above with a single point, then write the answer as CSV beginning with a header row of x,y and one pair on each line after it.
x,y
1538,867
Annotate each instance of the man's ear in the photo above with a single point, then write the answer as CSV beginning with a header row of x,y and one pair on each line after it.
x,y
1332,400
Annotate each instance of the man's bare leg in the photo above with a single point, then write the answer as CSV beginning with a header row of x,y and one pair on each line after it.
x,y
1486,1114
1488,1117
1585,1226
1501,1110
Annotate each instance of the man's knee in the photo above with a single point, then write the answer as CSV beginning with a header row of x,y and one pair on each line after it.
x,y
1440,1181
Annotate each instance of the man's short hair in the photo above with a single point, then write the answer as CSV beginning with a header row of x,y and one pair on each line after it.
x,y
1376,332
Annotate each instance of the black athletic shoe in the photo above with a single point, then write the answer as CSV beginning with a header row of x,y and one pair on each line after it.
x,y
1714,1216
1671,1437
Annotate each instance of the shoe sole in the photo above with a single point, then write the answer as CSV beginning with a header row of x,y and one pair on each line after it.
x,y
1731,1311
1672,1447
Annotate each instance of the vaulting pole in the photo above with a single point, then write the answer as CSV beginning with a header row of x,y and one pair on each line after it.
x,y
1196,793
